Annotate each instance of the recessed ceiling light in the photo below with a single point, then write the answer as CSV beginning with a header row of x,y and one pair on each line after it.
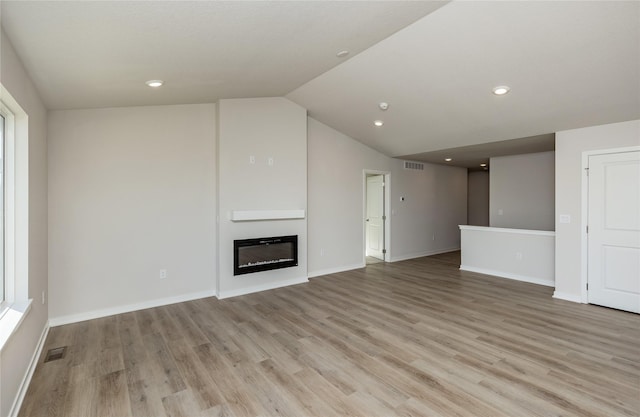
x,y
483,165
378,123
342,54
448,159
154,83
501,90
383,105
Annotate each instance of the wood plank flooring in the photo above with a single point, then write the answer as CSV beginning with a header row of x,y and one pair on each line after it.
x,y
413,338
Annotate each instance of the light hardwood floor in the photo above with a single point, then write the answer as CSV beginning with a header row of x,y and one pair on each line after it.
x,y
413,338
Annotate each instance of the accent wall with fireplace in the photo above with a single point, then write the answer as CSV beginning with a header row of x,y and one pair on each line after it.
x,y
262,195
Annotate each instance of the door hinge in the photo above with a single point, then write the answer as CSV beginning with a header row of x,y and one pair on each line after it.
x,y
587,286
384,217
384,251
587,228
587,170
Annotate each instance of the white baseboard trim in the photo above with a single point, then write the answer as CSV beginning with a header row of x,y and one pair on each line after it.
x,y
264,287
95,314
421,254
336,270
509,275
567,297
24,385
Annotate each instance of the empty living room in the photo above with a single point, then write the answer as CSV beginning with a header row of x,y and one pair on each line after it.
x,y
319,208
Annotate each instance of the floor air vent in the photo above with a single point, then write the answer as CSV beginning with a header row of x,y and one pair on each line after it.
x,y
55,354
416,166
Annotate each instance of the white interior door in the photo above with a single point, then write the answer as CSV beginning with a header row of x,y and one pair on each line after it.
x,y
375,217
614,230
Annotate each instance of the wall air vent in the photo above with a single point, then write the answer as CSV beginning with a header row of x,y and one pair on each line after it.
x,y
416,166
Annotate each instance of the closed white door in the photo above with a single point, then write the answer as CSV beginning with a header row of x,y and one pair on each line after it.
x,y
614,231
375,217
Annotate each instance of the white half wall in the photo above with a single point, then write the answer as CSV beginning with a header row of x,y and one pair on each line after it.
x,y
570,146
523,255
19,350
262,145
522,191
131,192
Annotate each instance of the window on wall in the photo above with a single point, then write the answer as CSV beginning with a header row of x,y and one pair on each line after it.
x,y
14,214
2,210
7,287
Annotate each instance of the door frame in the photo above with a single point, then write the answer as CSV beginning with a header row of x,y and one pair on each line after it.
x,y
584,215
387,213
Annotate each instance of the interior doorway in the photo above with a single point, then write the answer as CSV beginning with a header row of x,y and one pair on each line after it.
x,y
613,234
375,216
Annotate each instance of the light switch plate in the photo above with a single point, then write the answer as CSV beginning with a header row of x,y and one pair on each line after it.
x,y
565,218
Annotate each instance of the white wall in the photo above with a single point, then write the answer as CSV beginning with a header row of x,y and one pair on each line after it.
x,y
263,128
570,145
335,166
478,198
131,191
17,353
435,203
522,189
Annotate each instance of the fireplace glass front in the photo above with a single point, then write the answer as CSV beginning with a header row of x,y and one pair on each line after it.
x,y
263,254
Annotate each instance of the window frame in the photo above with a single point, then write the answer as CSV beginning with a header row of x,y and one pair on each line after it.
x,y
8,189
2,180
17,304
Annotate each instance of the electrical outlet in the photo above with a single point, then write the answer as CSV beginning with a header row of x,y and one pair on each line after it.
x,y
163,273
270,161
252,159
519,256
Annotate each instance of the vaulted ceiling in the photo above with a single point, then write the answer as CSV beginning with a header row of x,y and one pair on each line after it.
x,y
569,64
85,53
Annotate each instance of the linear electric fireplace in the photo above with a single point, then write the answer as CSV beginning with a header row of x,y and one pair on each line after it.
x,y
265,253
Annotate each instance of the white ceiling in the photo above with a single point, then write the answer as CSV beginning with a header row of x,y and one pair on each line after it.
x,y
84,54
473,156
569,64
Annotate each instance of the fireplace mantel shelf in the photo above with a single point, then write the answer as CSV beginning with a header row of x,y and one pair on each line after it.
x,y
257,215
